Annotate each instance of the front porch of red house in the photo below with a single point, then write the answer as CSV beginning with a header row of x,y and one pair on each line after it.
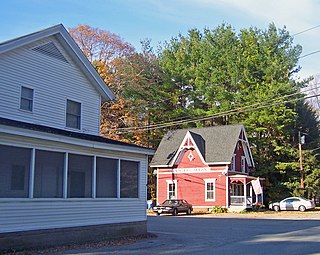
x,y
245,192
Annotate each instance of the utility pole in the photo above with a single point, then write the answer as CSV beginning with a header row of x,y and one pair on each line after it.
x,y
301,141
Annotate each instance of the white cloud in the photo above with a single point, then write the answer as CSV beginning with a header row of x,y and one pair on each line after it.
x,y
295,15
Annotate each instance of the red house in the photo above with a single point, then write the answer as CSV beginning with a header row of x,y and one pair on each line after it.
x,y
207,167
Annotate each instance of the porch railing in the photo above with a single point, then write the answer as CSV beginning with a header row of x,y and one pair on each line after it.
x,y
241,201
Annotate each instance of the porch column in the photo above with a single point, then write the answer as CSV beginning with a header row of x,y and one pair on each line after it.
x,y
245,193
227,191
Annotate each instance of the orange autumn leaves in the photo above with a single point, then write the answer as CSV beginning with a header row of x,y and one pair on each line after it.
x,y
115,61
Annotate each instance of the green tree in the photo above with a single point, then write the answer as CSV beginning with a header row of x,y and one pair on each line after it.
x,y
248,76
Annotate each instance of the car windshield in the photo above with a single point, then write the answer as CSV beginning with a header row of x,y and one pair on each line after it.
x,y
170,202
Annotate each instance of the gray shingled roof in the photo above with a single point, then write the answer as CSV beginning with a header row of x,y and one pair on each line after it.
x,y
217,144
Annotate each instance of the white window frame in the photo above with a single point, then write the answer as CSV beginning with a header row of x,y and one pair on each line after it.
x,y
243,164
170,182
206,181
29,99
233,163
80,121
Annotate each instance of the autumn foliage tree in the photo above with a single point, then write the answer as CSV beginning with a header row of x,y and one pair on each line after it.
x,y
107,51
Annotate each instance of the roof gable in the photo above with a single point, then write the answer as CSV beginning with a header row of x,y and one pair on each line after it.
x,y
67,42
216,144
191,140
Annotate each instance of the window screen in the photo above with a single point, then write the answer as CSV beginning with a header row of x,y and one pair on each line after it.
x,y
129,171
14,172
49,167
107,170
80,176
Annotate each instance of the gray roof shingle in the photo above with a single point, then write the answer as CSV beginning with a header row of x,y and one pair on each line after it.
x,y
217,144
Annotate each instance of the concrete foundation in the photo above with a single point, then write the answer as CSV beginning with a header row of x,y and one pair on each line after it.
x,y
62,236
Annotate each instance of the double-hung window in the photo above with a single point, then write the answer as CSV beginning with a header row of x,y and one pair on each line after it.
x,y
171,189
233,163
210,189
243,164
73,114
26,99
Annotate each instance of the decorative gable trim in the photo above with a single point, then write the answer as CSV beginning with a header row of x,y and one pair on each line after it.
x,y
187,143
246,149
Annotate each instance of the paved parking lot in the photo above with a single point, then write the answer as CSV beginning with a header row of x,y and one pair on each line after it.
x,y
223,235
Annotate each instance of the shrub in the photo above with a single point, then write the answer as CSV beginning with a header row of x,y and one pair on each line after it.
x,y
257,207
219,209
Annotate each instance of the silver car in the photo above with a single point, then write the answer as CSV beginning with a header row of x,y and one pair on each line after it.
x,y
292,204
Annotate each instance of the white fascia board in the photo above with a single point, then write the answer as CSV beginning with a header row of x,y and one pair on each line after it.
x,y
248,146
154,166
26,39
181,148
209,164
71,47
85,64
74,141
219,163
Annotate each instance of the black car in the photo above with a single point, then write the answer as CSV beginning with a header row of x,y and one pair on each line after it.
x,y
173,206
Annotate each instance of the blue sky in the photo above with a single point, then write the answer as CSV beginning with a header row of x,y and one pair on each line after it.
x,y
159,20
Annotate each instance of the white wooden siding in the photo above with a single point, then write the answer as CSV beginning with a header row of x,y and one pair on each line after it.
x,y
31,214
34,215
53,81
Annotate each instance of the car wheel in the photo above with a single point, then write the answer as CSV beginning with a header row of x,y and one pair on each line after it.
x,y
276,208
175,212
302,208
158,214
189,211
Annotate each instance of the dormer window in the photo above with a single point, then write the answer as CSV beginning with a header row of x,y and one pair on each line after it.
x,y
73,114
26,99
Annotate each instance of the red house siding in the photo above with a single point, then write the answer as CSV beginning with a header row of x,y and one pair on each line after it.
x,y
239,154
190,184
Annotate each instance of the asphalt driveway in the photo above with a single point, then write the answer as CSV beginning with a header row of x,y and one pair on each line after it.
x,y
216,235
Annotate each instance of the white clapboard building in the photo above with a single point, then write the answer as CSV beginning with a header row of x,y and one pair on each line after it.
x,y
60,181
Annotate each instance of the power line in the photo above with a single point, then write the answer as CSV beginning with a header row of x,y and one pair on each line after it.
x,y
303,31
232,112
311,53
183,121
306,30
220,115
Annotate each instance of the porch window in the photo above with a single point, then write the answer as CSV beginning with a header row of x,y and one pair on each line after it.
x,y
129,174
73,114
80,176
237,189
171,189
14,172
48,174
210,190
26,99
107,176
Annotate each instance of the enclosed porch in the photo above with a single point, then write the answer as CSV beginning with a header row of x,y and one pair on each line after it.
x,y
245,192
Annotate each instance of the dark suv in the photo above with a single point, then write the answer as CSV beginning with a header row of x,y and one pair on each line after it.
x,y
173,206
